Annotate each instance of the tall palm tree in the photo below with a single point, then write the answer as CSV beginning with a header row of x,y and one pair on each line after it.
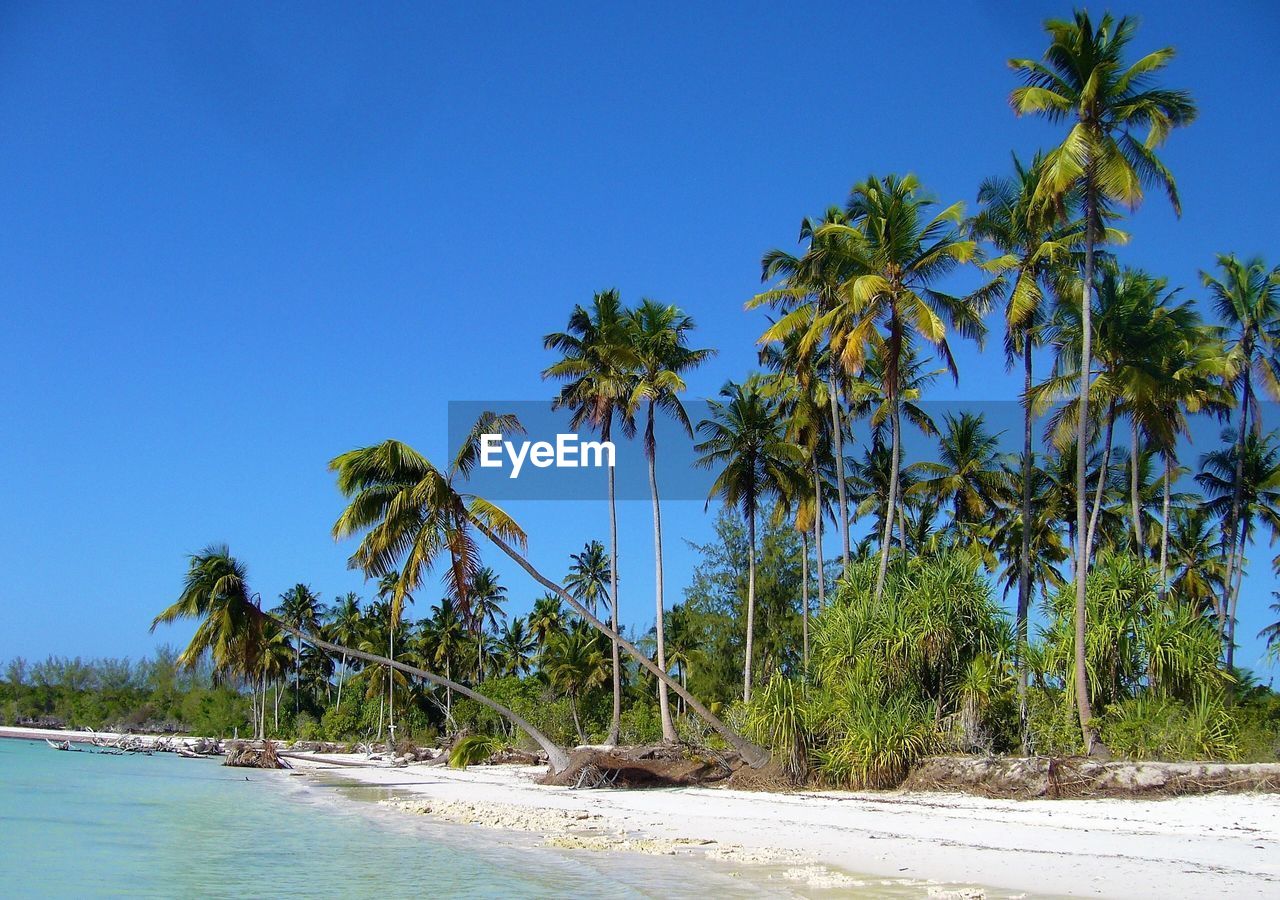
x,y
598,366
1195,559
486,595
300,606
394,596
895,251
1084,79
344,623
589,575
513,648
444,635
967,475
1246,297
1257,487
659,337
546,619
406,508
1033,247
744,438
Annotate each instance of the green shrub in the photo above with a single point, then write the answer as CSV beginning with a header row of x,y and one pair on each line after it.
x,y
1154,727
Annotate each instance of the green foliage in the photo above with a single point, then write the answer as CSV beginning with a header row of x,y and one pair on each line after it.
x,y
1158,727
474,749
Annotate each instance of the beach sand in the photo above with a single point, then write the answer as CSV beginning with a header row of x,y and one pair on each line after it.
x,y
947,845
1215,845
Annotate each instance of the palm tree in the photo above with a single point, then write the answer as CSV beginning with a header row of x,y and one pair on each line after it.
x,y
589,575
300,606
486,595
1034,246
394,596
444,634
660,343
1195,558
1084,78
343,625
597,367
1257,487
744,438
405,507
546,619
1246,297
574,664
513,648
895,253
967,475
1271,633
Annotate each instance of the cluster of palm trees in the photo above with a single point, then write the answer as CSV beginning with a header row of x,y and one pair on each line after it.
x,y
862,320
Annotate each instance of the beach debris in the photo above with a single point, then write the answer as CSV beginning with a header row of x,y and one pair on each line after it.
x,y
60,745
255,755
643,767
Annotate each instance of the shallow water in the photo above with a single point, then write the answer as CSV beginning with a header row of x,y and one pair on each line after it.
x,y
86,824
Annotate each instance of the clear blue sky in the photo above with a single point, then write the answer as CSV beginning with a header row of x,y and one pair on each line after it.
x,y
241,238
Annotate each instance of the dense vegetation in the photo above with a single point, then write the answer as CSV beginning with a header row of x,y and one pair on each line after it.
x,y
849,655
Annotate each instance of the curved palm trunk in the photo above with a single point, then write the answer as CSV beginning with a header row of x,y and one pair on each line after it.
x,y
751,603
1083,707
1024,572
1103,473
804,598
342,676
1164,530
1135,494
664,703
751,754
615,722
838,431
556,756
817,540
892,501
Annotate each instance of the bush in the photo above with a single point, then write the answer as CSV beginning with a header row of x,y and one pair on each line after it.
x,y
1162,728
474,749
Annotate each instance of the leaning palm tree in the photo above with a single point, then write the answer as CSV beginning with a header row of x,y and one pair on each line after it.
x,y
659,336
744,438
409,511
597,367
232,626
1246,297
895,251
1084,80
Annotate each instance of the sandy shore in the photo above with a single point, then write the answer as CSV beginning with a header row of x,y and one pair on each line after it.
x,y
942,844
1217,845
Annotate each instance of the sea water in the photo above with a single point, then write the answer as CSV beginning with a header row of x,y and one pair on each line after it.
x,y
88,824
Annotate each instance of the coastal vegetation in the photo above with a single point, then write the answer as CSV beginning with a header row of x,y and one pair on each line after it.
x,y
842,658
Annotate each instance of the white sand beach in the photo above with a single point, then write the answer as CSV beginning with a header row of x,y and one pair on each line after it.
x,y
1215,845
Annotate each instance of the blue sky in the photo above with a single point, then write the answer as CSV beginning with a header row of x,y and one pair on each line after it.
x,y
242,239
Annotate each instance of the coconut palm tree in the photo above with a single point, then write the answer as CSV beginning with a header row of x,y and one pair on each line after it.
x,y
1084,79
574,665
967,475
598,366
895,251
546,619
659,338
1195,558
1246,298
394,597
589,575
443,636
343,625
486,596
1257,487
513,648
744,438
300,606
408,510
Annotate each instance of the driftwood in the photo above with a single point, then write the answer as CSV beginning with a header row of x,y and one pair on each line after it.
x,y
642,767
255,755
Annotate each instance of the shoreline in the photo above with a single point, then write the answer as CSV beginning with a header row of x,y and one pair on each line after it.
x,y
935,844
949,845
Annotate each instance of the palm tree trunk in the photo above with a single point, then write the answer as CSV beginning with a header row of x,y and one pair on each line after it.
x,y
838,431
342,676
556,756
275,715
391,688
1164,530
817,539
1237,496
804,598
1135,495
752,755
893,499
297,682
1024,572
1235,596
1103,473
664,704
1083,707
751,603
615,722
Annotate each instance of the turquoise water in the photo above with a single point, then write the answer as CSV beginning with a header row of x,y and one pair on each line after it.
x,y
84,824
